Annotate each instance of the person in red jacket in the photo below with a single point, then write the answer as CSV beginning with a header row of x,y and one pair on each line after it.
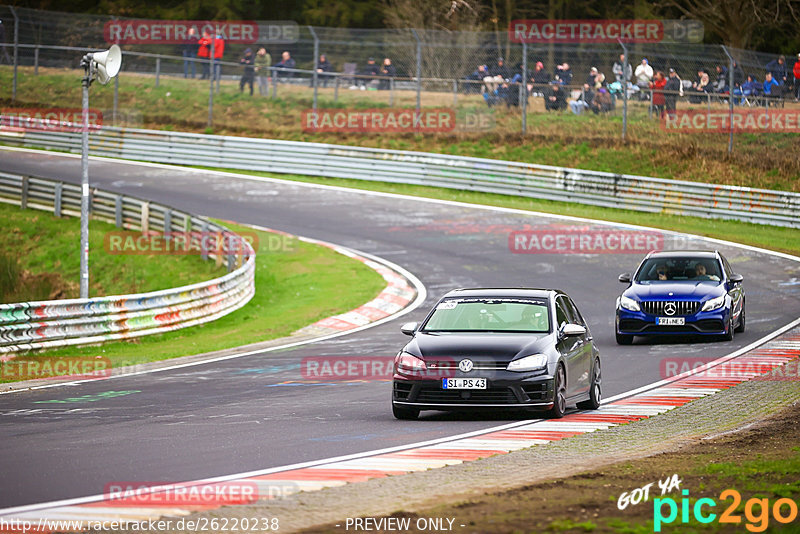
x,y
203,52
219,48
657,85
796,72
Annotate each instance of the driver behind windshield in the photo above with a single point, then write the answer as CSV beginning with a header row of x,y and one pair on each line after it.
x,y
701,273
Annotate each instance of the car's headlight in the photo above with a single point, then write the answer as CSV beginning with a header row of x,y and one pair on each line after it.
x,y
714,303
628,303
408,363
533,362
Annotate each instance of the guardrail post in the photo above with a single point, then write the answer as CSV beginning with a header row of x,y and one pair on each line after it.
x,y
36,61
57,199
158,69
24,195
203,234
16,53
167,221
231,255
118,211
144,220
419,68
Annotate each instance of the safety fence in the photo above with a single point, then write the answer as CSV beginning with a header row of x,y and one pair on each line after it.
x,y
59,323
640,193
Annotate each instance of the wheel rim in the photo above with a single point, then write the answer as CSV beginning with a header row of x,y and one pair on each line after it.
x,y
597,382
561,396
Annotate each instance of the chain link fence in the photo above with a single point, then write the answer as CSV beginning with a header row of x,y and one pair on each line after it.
x,y
415,69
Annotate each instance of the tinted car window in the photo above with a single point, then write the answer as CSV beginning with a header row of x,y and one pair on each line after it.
x,y
572,311
561,315
728,270
661,269
489,315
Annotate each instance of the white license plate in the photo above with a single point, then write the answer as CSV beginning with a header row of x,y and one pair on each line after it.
x,y
463,383
670,321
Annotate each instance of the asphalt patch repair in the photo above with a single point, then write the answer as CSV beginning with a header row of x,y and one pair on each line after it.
x,y
761,461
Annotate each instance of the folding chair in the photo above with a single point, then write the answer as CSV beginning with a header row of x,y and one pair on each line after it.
x,y
349,69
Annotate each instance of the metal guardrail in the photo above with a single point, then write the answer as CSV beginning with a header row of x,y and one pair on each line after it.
x,y
639,193
59,323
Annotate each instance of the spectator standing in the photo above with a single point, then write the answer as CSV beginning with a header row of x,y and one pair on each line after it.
x,y
204,53
721,83
796,72
622,71
286,62
5,57
644,75
323,67
538,80
591,76
738,75
190,48
387,71
657,86
563,74
219,50
700,87
672,89
248,76
263,62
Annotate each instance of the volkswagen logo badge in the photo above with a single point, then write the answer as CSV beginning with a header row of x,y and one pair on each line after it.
x,y
670,308
465,365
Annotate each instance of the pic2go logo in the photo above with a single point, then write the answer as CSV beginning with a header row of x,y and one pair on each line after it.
x,y
756,511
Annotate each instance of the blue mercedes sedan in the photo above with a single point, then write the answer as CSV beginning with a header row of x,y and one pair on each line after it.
x,y
681,292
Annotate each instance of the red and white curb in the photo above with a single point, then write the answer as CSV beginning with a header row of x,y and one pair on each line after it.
x,y
661,397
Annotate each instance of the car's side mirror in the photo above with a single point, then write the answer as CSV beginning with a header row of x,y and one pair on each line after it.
x,y
625,278
409,328
571,329
737,278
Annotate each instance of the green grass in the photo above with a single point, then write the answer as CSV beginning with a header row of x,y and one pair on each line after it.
x,y
295,286
769,237
587,141
47,251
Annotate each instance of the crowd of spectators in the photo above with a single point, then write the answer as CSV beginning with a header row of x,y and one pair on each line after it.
x,y
500,84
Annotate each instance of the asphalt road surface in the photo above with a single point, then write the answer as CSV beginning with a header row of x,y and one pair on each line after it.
x,y
257,412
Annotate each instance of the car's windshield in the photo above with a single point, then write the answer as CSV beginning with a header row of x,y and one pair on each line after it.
x,y
688,268
489,315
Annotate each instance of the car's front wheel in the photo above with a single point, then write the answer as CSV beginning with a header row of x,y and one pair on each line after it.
x,y
559,394
728,335
408,414
595,393
624,339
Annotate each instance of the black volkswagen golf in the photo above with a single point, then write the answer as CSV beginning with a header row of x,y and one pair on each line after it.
x,y
501,349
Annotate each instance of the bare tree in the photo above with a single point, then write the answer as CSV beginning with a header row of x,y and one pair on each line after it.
x,y
735,21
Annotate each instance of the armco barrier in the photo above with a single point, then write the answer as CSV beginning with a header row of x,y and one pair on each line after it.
x,y
59,323
638,193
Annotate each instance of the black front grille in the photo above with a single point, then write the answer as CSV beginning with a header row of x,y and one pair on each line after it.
x,y
632,325
402,390
476,396
452,363
710,325
681,307
536,392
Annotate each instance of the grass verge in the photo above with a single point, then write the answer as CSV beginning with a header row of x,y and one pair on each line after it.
x,y
295,286
770,237
44,250
766,160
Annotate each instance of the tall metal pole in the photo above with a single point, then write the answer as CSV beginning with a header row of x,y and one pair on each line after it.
x,y
84,282
16,53
624,89
419,68
211,86
314,63
730,98
523,92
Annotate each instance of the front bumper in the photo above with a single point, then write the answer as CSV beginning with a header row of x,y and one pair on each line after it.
x,y
709,323
531,393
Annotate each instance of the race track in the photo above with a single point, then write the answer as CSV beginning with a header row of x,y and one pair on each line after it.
x,y
240,415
